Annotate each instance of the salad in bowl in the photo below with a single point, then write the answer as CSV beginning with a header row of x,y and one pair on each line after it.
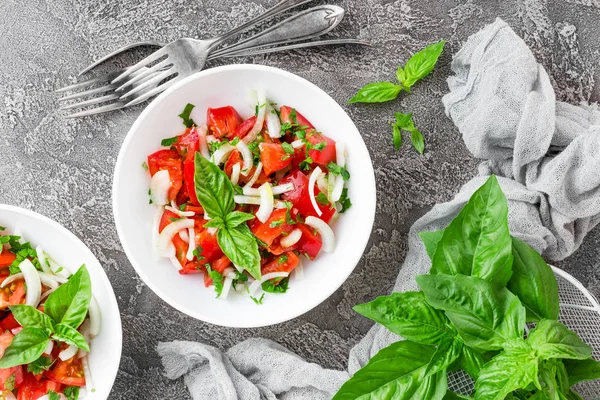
x,y
244,201
50,318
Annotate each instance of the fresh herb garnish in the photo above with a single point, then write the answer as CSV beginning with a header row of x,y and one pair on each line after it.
x,y
322,199
10,383
345,201
319,146
287,148
145,165
40,365
185,116
71,392
282,259
338,170
168,142
64,311
215,193
305,164
280,287
52,395
275,224
198,253
217,279
404,122
471,314
258,301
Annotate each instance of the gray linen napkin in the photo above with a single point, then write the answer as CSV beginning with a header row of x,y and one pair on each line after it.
x,y
547,156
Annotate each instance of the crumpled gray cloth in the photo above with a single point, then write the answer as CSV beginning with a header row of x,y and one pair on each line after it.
x,y
547,156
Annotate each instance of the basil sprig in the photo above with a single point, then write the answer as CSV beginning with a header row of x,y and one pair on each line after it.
x,y
215,193
484,285
64,311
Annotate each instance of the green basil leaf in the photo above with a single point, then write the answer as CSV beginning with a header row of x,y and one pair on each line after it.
x,y
377,92
69,335
472,361
396,137
430,240
485,315
477,242
40,365
408,314
30,317
448,351
216,222
396,372
168,142
552,339
185,116
455,396
417,141
239,245
562,376
573,395
217,279
582,370
534,283
237,218
69,303
213,188
71,392
27,346
420,64
549,388
504,373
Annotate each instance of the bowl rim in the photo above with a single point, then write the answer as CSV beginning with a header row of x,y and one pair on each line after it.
x,y
104,278
116,181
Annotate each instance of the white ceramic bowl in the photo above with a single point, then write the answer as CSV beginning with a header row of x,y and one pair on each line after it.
x,y
217,87
70,252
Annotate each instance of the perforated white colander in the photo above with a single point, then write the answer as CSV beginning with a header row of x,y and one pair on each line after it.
x,y
580,312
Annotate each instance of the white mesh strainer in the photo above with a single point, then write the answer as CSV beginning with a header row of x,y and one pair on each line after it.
x,y
580,312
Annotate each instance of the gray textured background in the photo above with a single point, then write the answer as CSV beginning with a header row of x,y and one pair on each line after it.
x,y
63,168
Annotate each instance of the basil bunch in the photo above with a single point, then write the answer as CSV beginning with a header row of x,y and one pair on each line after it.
x,y
215,193
64,311
483,287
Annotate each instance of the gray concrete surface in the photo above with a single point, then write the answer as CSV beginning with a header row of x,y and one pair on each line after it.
x,y
63,168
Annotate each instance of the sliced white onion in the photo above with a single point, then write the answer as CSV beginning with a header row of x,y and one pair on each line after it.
x,y
202,142
85,332
257,283
89,383
246,156
95,317
174,261
211,231
50,281
184,236
235,174
67,353
273,124
296,144
19,233
241,199
46,294
8,395
327,236
322,183
311,189
280,174
330,186
340,154
279,189
42,259
167,234
255,176
155,226
337,188
266,202
61,271
33,282
11,278
160,183
192,244
291,239
47,281
44,276
220,155
49,347
211,138
299,271
182,214
260,118
227,282
47,397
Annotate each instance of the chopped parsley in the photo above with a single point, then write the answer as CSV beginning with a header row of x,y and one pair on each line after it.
x,y
71,392
217,279
182,207
275,224
198,253
322,199
150,195
185,116
52,395
345,201
145,165
319,146
281,287
238,189
337,170
287,148
9,384
168,142
40,365
258,301
282,260
305,164
239,277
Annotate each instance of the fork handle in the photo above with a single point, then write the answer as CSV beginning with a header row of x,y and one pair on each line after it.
x,y
305,25
280,7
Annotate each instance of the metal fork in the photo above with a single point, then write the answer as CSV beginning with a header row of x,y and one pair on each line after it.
x,y
304,25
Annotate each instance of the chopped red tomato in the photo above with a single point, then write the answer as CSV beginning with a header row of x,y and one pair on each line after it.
x,y
35,386
167,218
218,265
196,209
181,246
69,372
187,142
326,154
284,263
5,340
169,160
6,258
286,117
8,374
245,127
9,322
210,247
310,243
300,197
12,294
189,170
223,121
271,229
234,158
273,157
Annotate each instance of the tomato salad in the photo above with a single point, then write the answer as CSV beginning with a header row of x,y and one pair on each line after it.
x,y
242,200
48,317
